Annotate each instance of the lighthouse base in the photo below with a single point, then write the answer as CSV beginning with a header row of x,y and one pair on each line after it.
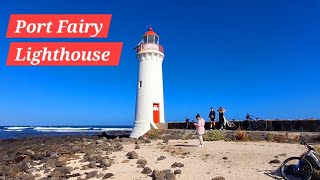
x,y
141,128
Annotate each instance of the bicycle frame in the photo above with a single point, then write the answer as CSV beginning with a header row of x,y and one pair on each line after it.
x,y
313,154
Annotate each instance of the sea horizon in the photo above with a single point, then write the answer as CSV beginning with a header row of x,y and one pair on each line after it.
x,y
17,132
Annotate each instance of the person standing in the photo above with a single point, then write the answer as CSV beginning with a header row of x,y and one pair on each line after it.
x,y
200,129
212,118
221,111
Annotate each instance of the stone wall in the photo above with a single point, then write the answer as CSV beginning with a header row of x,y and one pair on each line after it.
x,y
276,125
275,136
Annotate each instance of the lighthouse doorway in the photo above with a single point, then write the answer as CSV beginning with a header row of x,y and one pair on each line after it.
x,y
156,114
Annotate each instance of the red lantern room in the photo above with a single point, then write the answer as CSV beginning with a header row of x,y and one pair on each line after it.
x,y
150,37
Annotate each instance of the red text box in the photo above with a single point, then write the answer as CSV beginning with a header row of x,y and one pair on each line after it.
x,y
64,54
58,25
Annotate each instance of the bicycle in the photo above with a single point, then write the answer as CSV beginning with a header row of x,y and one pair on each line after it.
x,y
254,124
232,125
301,167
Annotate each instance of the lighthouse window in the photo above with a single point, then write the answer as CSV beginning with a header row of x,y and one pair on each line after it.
x,y
145,39
140,84
157,40
150,39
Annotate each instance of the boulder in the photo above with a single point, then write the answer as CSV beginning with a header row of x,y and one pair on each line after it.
x,y
146,170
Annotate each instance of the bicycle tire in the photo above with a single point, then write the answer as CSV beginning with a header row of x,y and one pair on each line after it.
x,y
246,125
262,125
234,125
294,172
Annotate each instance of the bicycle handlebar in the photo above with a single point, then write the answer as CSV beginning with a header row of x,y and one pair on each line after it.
x,y
307,146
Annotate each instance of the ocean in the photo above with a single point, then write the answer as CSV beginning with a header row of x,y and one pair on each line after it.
x,y
10,132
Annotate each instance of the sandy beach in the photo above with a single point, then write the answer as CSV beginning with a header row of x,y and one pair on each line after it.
x,y
231,160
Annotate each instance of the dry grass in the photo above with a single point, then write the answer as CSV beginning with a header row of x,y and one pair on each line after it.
x,y
241,136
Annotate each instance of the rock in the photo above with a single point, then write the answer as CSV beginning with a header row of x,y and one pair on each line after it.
x,y
51,163
85,167
19,158
92,164
156,174
147,141
31,170
13,170
146,170
275,161
142,138
99,158
177,171
170,176
132,155
60,163
100,175
105,163
29,153
57,174
72,175
63,170
92,158
75,149
177,164
225,158
117,147
99,142
23,166
137,146
107,176
166,171
166,141
141,165
161,158
125,161
92,174
54,155
142,161
218,178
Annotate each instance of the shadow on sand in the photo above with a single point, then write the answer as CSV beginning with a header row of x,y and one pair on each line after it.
x,y
274,174
185,145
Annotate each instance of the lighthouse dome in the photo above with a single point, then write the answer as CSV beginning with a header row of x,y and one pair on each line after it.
x,y
151,37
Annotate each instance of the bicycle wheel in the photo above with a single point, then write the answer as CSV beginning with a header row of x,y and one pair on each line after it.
x,y
245,125
296,168
234,125
262,125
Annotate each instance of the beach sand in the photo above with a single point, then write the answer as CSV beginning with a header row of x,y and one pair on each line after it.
x,y
231,160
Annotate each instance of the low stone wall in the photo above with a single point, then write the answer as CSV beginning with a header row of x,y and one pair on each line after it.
x,y
274,136
276,125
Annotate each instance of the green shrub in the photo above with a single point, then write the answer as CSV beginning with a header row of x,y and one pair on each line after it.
x,y
154,134
241,136
280,138
214,135
270,137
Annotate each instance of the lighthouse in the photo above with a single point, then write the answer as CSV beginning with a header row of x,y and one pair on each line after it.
x,y
149,101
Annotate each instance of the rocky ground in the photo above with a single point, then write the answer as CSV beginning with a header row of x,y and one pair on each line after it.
x,y
73,157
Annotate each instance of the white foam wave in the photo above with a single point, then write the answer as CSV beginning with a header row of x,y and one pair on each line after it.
x,y
17,128
60,128
13,130
80,129
116,129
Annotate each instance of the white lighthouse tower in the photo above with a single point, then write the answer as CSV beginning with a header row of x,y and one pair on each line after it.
x,y
150,103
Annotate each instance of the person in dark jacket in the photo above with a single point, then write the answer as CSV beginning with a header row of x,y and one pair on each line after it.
x,y
212,118
221,111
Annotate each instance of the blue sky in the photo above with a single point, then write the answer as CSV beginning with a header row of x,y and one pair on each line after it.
x,y
258,57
